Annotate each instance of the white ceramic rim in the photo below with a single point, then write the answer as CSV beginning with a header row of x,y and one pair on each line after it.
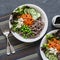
x,y
54,19
42,32
42,42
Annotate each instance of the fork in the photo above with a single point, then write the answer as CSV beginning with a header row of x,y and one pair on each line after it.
x,y
5,30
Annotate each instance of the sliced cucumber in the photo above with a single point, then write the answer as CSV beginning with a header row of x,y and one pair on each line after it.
x,y
34,13
52,57
25,10
47,54
34,17
38,15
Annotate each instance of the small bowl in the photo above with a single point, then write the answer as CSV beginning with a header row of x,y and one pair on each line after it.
x,y
54,20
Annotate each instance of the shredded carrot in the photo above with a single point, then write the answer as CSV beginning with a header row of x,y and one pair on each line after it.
x,y
28,20
54,43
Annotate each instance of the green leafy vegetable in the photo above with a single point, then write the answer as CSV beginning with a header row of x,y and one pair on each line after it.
x,y
14,26
45,45
14,22
19,10
49,36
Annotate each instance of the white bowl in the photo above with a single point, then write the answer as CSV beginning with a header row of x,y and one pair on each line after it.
x,y
53,21
44,41
44,19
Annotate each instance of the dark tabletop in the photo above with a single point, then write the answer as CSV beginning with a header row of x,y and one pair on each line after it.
x,y
51,8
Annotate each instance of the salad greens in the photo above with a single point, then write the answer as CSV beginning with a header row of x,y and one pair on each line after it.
x,y
14,24
45,45
21,10
49,36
